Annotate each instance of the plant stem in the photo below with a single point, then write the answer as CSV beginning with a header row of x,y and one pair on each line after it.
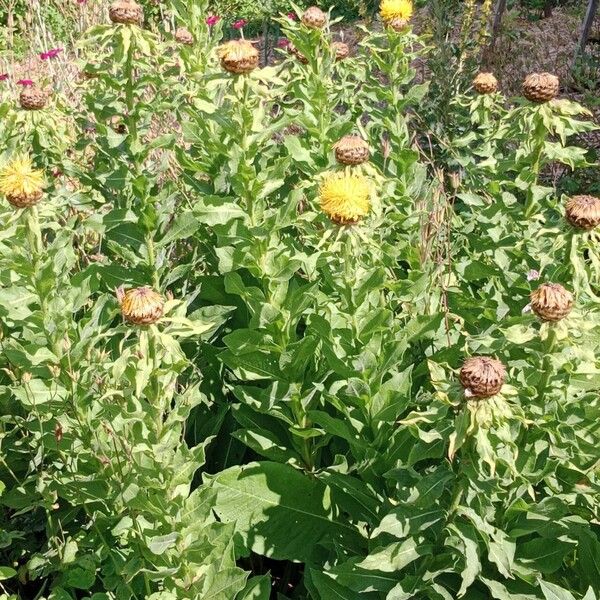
x,y
547,361
152,260
36,248
129,93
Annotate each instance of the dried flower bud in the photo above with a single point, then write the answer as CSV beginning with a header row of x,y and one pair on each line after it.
x,y
540,87
583,212
483,376
485,83
238,56
32,98
551,302
126,12
341,50
351,150
141,306
184,36
314,18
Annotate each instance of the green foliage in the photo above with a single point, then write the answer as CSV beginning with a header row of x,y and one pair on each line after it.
x,y
293,425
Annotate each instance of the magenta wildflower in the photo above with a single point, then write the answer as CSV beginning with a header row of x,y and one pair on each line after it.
x,y
283,43
3,76
212,20
81,1
292,16
52,53
25,82
240,23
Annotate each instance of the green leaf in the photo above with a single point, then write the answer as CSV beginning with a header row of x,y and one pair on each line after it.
x,y
6,573
269,500
395,556
552,591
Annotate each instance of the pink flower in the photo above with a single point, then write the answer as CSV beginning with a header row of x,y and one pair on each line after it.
x,y
3,76
212,20
25,82
239,24
81,1
533,275
57,173
53,53
283,43
292,16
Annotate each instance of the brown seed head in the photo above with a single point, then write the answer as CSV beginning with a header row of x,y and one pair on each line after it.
x,y
314,18
351,150
540,87
141,306
238,56
583,212
551,302
483,376
485,83
32,98
341,50
126,12
184,36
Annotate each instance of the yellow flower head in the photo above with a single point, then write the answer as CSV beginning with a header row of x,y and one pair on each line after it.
x,y
21,183
345,198
391,10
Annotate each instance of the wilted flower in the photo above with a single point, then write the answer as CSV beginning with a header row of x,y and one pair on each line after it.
x,y
25,82
212,20
238,56
22,185
240,23
482,376
551,302
345,198
141,306
396,13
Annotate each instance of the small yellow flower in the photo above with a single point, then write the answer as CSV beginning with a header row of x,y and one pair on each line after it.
x,y
21,184
141,306
392,10
345,198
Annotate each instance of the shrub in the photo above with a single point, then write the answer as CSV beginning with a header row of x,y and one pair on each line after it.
x,y
235,365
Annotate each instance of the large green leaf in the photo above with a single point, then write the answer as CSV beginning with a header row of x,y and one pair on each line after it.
x,y
279,511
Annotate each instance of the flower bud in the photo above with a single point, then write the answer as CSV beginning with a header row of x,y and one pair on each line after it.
x,y
126,12
482,376
141,306
485,83
314,18
351,150
551,302
540,87
583,212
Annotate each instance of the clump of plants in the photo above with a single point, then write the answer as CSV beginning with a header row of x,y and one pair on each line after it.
x,y
260,339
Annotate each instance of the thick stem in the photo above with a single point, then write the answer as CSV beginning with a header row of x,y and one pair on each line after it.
x,y
129,94
152,261
547,360
36,248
